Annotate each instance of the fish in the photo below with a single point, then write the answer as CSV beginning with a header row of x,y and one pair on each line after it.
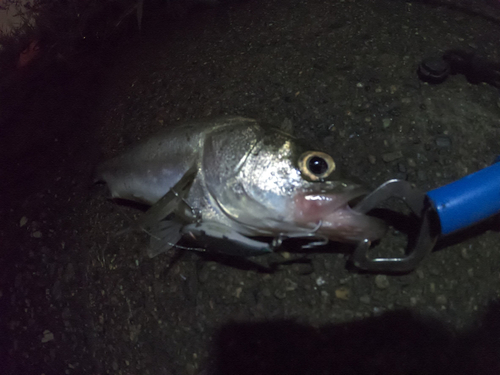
x,y
235,186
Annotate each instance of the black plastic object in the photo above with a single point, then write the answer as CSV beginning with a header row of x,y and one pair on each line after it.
x,y
475,68
434,70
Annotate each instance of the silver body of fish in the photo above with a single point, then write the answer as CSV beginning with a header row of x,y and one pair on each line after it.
x,y
228,180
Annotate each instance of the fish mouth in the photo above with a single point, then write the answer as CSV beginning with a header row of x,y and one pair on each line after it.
x,y
329,212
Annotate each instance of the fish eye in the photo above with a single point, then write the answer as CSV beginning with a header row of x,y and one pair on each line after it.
x,y
316,165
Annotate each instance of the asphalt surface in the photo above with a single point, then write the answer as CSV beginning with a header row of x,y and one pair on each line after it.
x,y
75,299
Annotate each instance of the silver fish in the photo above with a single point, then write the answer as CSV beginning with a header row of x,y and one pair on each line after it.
x,y
223,181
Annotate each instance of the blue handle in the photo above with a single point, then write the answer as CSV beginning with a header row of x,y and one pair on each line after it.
x,y
468,200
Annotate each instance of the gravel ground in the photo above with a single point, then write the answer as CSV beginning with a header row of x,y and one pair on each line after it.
x,y
76,300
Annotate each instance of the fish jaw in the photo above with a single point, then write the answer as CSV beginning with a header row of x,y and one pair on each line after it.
x,y
332,216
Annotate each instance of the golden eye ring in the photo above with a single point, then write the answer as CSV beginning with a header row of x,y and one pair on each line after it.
x,y
316,165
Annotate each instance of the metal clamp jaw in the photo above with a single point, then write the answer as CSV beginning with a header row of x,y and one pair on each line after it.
x,y
428,231
442,211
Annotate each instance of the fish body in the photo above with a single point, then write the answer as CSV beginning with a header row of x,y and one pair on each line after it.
x,y
229,179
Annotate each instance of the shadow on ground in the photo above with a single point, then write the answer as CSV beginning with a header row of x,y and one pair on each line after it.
x,y
395,343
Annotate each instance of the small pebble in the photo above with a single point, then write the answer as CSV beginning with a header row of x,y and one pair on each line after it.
x,y
47,336
342,293
443,141
381,281
238,291
37,234
365,299
285,254
290,285
464,253
391,156
372,159
386,122
432,287
279,294
441,299
23,221
344,280
411,163
320,281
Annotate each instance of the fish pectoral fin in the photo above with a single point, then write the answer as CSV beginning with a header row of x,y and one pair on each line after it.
x,y
168,203
223,239
164,235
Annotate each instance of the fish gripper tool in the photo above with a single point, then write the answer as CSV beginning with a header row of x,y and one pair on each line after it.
x,y
439,212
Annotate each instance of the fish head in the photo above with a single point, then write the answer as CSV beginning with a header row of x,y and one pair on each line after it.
x,y
279,186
